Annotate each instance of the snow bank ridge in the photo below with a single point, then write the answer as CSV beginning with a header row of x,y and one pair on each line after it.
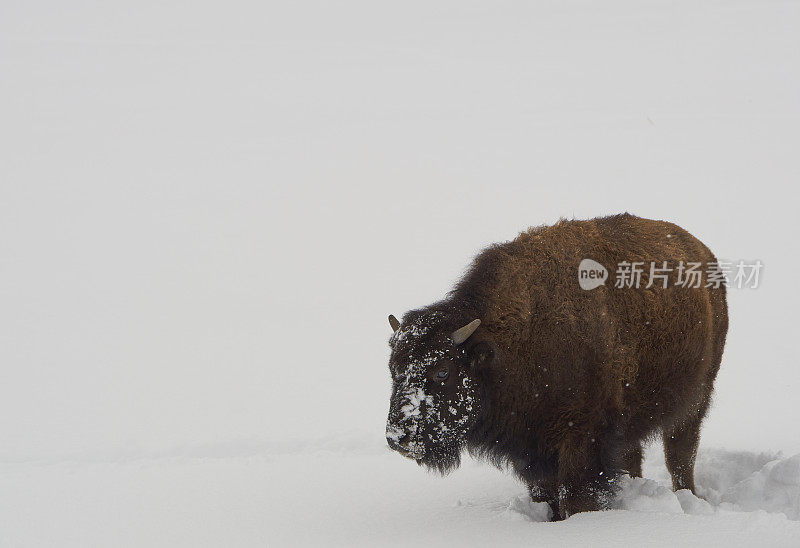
x,y
727,481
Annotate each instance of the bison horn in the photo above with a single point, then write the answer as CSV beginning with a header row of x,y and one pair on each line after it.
x,y
462,334
394,323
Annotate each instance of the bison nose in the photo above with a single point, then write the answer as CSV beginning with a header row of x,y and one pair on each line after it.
x,y
398,438
399,443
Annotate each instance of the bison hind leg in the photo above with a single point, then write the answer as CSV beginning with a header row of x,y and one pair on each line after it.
x,y
587,494
632,461
680,449
621,454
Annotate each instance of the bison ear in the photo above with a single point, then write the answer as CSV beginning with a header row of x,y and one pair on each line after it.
x,y
480,354
394,323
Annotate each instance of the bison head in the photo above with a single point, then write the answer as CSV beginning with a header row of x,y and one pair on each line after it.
x,y
435,393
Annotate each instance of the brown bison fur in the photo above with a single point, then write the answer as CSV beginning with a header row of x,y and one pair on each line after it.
x,y
561,384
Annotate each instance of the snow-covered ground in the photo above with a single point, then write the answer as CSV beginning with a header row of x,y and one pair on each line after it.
x,y
351,491
208,209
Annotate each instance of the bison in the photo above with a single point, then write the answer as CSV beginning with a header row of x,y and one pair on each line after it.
x,y
562,384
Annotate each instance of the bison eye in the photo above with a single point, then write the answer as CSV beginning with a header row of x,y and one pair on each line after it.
x,y
441,374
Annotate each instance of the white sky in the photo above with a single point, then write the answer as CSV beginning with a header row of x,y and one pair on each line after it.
x,y
207,212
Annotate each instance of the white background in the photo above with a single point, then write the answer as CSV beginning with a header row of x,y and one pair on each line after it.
x,y
208,210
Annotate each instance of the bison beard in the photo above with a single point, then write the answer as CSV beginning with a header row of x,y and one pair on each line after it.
x,y
521,366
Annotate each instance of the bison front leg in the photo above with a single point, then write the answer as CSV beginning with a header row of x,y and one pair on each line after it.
x,y
546,491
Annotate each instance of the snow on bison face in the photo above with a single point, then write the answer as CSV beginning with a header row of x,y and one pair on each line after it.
x,y
435,392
